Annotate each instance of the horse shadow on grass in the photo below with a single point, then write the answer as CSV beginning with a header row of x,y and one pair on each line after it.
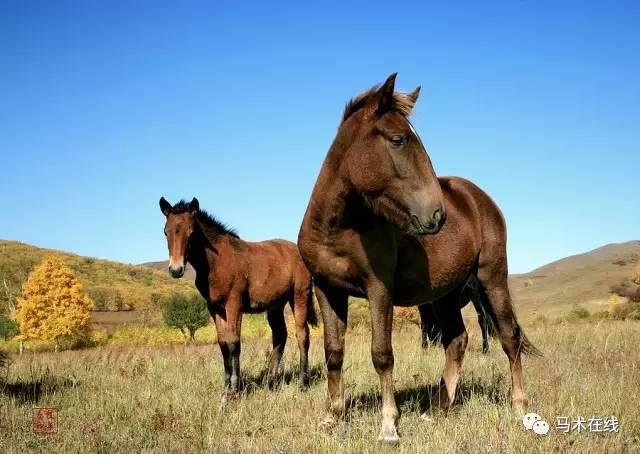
x,y
421,399
32,389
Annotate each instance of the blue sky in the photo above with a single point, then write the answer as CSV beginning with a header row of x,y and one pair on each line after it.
x,y
106,106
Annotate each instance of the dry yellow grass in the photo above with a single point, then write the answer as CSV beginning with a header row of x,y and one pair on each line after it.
x,y
167,398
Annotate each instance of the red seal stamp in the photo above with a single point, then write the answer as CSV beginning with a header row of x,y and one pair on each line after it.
x,y
45,420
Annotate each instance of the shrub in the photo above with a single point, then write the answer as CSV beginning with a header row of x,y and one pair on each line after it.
x,y
580,312
8,328
614,303
186,313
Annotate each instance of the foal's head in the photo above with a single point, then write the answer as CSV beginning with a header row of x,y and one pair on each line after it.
x,y
385,161
178,230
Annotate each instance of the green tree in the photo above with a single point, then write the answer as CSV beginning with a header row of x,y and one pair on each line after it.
x,y
8,328
186,313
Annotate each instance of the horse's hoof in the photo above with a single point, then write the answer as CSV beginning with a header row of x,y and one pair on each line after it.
x,y
328,423
520,408
389,440
389,437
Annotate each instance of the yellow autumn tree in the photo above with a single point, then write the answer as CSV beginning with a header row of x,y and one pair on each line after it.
x,y
635,276
53,306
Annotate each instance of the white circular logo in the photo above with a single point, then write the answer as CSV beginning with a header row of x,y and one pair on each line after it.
x,y
530,419
541,427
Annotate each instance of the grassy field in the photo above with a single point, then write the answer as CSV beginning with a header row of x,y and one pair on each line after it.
x,y
147,399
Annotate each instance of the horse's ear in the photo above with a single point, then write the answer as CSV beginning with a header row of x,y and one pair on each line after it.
x,y
194,205
413,96
165,206
385,94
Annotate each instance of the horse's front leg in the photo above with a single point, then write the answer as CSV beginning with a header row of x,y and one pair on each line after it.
x,y
382,354
334,308
228,325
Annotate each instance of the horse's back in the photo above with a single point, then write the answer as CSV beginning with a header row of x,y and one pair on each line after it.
x,y
272,269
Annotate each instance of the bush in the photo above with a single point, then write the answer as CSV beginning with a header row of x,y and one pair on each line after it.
x,y
8,328
108,299
580,312
186,313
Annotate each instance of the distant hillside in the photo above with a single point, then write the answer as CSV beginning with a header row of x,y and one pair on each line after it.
x,y
582,279
189,273
135,286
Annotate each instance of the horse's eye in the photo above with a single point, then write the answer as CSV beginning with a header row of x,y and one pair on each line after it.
x,y
397,141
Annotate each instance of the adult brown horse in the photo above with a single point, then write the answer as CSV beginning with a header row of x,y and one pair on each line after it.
x,y
363,235
236,277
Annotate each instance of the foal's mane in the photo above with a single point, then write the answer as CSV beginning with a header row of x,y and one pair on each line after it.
x,y
211,227
402,102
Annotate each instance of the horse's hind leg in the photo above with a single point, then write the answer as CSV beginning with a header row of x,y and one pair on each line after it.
x,y
300,307
454,340
495,295
275,317
428,325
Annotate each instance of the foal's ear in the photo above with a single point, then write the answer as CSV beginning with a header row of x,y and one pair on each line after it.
x,y
194,205
165,206
385,94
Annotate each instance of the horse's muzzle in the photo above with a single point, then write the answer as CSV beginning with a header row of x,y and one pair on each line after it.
x,y
433,226
177,272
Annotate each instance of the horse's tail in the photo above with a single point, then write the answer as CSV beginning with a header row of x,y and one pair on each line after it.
x,y
3,358
481,303
312,317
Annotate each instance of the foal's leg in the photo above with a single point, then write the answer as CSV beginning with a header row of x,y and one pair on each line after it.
x,y
302,298
428,324
224,349
334,308
275,317
382,355
454,340
228,324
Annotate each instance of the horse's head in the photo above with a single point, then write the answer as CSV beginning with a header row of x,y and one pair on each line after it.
x,y
385,161
178,230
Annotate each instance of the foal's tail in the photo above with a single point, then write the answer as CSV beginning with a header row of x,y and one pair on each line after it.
x,y
312,317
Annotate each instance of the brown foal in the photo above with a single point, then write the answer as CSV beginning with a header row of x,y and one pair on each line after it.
x,y
236,277
363,234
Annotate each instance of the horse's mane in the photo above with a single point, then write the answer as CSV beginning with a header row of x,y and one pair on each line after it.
x,y
402,102
211,226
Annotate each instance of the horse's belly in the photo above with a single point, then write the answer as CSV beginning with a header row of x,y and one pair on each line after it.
x,y
425,274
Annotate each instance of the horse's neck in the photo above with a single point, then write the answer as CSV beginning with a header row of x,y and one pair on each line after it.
x,y
201,257
329,202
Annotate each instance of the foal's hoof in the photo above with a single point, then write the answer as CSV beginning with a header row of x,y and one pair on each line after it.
x,y
426,418
389,437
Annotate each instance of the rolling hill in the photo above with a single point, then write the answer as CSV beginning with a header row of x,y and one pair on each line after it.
x,y
553,289
133,286
583,280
